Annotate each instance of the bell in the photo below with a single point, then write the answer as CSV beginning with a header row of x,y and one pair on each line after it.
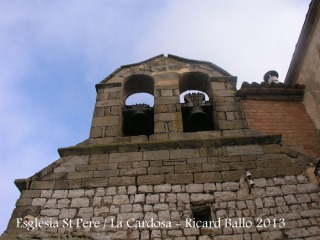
x,y
198,120
139,123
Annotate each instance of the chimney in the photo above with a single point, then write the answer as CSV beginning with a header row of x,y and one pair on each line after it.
x,y
271,77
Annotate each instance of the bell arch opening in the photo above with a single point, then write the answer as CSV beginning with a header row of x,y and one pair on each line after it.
x,y
137,113
196,102
140,98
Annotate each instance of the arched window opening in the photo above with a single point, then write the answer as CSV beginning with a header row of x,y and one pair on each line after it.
x,y
140,98
138,106
196,106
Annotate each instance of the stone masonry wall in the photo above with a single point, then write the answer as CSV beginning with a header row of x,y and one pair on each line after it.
x,y
291,201
165,185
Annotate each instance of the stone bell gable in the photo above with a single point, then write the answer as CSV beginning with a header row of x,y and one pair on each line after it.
x,y
153,172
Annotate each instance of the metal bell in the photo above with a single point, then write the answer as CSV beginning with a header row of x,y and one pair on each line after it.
x,y
139,123
198,120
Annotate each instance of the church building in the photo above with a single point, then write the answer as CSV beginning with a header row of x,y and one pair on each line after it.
x,y
201,161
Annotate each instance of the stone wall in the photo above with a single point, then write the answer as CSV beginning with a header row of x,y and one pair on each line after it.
x,y
166,185
305,65
291,201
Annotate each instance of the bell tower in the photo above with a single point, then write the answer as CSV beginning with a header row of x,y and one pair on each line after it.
x,y
190,97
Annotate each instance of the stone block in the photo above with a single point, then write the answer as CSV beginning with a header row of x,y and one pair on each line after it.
x,y
76,193
303,198
68,184
80,202
192,167
193,231
42,185
106,173
160,207
95,182
50,212
63,203
145,189
184,153
96,132
194,188
233,176
290,179
80,175
133,171
51,203
234,124
125,157
224,196
166,93
38,201
230,116
24,202
164,117
152,198
244,150
289,189
269,202
151,179
156,155
207,177
35,193
232,133
60,194
105,121
201,199
166,100
122,181
218,85
67,213
314,213
99,159
216,167
230,186
242,165
161,169
164,188
307,188
209,187
272,149
139,198
179,178
120,199
273,191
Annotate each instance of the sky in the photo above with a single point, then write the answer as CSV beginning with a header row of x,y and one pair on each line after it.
x,y
52,53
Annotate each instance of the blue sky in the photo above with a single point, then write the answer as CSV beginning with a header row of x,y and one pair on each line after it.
x,y
54,52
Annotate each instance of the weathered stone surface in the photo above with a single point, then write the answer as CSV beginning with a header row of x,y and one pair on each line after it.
x,y
244,150
201,199
224,196
194,188
230,186
207,177
162,188
151,179
79,202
